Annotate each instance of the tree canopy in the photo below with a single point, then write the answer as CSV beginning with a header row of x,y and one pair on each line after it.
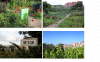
x,y
46,6
77,6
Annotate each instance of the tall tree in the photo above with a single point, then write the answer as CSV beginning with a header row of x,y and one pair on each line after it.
x,y
79,4
48,47
46,7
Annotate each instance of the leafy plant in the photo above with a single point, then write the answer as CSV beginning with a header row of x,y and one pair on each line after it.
x,y
20,53
12,4
2,7
70,52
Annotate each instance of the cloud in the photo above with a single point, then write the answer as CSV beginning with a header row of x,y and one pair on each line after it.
x,y
58,2
12,32
2,37
10,36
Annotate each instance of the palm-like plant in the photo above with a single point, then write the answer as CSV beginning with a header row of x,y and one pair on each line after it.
x,y
24,53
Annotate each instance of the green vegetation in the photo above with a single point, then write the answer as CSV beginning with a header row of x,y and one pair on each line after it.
x,y
74,21
51,18
57,12
78,6
53,13
70,53
49,47
46,7
23,53
12,19
20,54
16,54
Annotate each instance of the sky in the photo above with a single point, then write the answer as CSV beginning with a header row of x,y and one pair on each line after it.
x,y
10,36
65,37
60,2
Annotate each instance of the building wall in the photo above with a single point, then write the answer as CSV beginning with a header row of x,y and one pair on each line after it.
x,y
79,44
69,4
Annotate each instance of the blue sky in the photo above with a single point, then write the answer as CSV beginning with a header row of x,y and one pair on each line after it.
x,y
10,36
60,2
65,37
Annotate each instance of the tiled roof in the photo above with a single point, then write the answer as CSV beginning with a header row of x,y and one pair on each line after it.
x,y
74,44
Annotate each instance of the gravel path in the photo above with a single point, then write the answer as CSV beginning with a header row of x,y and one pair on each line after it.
x,y
56,24
36,23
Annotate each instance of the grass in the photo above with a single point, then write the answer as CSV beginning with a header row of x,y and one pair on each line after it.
x,y
74,21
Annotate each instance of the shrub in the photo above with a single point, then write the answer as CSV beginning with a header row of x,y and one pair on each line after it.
x,y
37,15
70,52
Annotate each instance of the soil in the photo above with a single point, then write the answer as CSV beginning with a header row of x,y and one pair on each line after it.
x,y
56,24
36,23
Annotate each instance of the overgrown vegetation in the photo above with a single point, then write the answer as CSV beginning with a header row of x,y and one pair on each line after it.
x,y
53,16
57,12
78,6
76,20
49,48
69,53
22,53
10,19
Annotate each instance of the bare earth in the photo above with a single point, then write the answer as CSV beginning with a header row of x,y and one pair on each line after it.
x,y
36,23
56,24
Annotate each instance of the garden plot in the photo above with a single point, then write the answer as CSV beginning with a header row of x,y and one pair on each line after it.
x,y
56,24
74,21
52,18
34,23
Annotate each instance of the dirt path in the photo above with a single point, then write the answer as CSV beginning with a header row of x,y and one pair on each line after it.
x,y
36,23
56,23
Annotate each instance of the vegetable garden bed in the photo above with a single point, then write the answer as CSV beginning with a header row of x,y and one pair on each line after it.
x,y
74,21
52,18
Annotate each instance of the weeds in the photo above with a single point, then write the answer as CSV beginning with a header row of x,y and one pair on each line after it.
x,y
74,21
